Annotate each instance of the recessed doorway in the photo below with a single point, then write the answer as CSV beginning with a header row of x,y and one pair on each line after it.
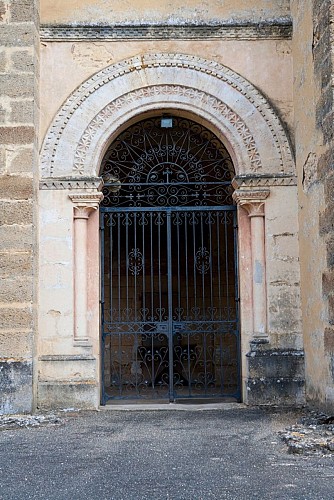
x,y
169,281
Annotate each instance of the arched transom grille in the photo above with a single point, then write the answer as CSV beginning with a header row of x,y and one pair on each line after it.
x,y
167,161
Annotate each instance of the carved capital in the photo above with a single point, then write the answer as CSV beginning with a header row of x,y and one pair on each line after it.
x,y
252,201
85,204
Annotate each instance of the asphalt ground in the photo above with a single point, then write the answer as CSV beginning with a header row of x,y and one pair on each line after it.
x,y
232,453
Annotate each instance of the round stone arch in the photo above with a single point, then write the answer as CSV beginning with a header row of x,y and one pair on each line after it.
x,y
90,119
204,90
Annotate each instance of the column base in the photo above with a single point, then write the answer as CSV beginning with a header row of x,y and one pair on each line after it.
x,y
68,381
275,376
83,395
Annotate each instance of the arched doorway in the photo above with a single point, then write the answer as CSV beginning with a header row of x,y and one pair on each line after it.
x,y
92,118
169,292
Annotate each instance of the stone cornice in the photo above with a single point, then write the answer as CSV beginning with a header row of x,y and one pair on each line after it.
x,y
259,181
72,183
276,29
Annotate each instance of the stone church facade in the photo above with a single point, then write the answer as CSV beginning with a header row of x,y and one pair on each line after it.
x,y
166,206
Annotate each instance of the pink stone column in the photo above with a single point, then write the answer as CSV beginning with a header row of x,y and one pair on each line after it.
x,y
254,202
84,205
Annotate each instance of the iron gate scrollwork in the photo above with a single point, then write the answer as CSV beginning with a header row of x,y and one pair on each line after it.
x,y
169,295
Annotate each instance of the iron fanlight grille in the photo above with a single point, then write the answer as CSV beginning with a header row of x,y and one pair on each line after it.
x,y
182,165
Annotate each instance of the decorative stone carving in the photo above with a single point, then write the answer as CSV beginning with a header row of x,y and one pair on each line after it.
x,y
163,90
252,201
275,30
85,203
94,183
260,181
158,71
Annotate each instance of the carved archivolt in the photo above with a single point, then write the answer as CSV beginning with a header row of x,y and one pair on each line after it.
x,y
81,129
164,90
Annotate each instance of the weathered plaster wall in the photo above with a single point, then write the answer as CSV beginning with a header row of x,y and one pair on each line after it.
x,y
143,11
18,181
313,68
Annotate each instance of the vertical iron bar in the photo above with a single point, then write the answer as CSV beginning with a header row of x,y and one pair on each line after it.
x,y
152,299
127,215
178,215
221,363
189,367
210,218
194,266
203,305
159,270
227,268
170,307
186,265
110,291
119,353
103,390
144,270
152,267
218,216
134,301
135,270
203,270
237,301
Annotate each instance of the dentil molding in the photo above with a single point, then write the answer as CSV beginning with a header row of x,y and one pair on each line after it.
x,y
95,183
279,29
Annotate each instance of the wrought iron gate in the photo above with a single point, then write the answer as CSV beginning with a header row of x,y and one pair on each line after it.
x,y
169,294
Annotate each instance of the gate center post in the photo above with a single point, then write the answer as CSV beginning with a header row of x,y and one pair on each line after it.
x,y
170,308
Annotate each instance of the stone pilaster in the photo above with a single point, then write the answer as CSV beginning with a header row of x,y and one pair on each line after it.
x,y
253,202
84,205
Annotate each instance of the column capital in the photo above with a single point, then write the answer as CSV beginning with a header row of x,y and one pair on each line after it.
x,y
252,200
85,204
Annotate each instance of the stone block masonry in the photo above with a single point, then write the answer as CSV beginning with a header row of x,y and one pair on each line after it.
x,y
18,180
323,45
314,107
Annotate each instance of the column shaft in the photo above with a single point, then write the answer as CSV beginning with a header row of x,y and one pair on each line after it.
x,y
80,278
84,205
259,282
